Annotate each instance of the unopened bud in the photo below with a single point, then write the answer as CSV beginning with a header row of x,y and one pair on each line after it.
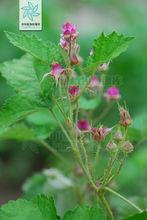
x,y
127,147
75,58
118,136
111,146
103,67
125,118
79,171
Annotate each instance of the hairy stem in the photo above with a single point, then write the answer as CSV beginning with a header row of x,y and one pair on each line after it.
x,y
105,206
110,168
123,198
96,158
61,126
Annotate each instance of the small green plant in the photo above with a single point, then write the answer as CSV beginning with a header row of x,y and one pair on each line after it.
x,y
54,80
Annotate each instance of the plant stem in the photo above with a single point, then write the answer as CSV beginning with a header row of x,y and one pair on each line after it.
x,y
118,171
110,168
62,111
106,206
123,198
96,158
63,129
76,151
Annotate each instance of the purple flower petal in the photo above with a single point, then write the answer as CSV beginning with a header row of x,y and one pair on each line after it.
x,y
83,125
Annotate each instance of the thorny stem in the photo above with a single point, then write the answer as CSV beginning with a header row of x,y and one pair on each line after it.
x,y
110,168
76,120
62,111
85,156
118,171
96,158
60,92
123,198
74,144
61,126
105,205
76,151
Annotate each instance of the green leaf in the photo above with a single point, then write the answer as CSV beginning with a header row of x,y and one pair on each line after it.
x,y
89,104
140,122
20,74
31,44
138,130
140,216
20,210
47,84
44,123
106,48
85,213
46,207
39,208
17,108
18,132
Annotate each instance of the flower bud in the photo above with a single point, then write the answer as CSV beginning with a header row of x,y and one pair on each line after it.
x,y
74,90
64,44
90,187
111,146
99,134
95,83
112,93
125,119
69,31
56,71
78,171
103,67
83,125
118,136
127,147
74,55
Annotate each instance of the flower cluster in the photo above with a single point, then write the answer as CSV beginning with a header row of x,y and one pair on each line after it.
x,y
68,42
98,134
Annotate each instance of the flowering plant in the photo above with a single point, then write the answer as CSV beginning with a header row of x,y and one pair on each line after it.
x,y
55,78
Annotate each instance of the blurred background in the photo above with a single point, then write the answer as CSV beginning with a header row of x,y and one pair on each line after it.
x,y
19,160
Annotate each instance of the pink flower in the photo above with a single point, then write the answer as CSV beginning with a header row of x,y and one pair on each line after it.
x,y
56,71
112,93
69,30
74,90
83,125
100,133
95,83
64,44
